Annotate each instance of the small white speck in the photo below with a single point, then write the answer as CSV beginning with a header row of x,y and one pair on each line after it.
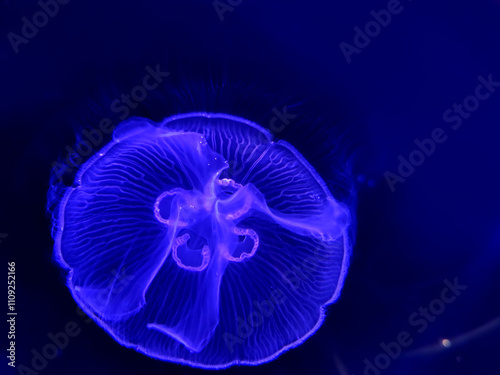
x,y
446,343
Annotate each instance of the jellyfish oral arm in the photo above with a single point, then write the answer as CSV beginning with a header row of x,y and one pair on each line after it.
x,y
328,224
199,318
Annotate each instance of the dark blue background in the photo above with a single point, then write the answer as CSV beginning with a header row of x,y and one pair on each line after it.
x,y
443,222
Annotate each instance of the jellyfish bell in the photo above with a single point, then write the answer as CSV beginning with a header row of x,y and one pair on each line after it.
x,y
228,265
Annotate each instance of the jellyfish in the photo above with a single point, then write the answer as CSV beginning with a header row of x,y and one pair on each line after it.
x,y
200,240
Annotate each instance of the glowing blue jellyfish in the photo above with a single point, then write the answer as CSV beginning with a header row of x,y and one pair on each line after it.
x,y
199,240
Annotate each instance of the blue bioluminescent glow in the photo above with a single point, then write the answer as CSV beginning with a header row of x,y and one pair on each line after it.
x,y
199,240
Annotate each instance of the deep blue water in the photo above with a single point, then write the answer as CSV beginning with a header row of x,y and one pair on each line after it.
x,y
423,89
